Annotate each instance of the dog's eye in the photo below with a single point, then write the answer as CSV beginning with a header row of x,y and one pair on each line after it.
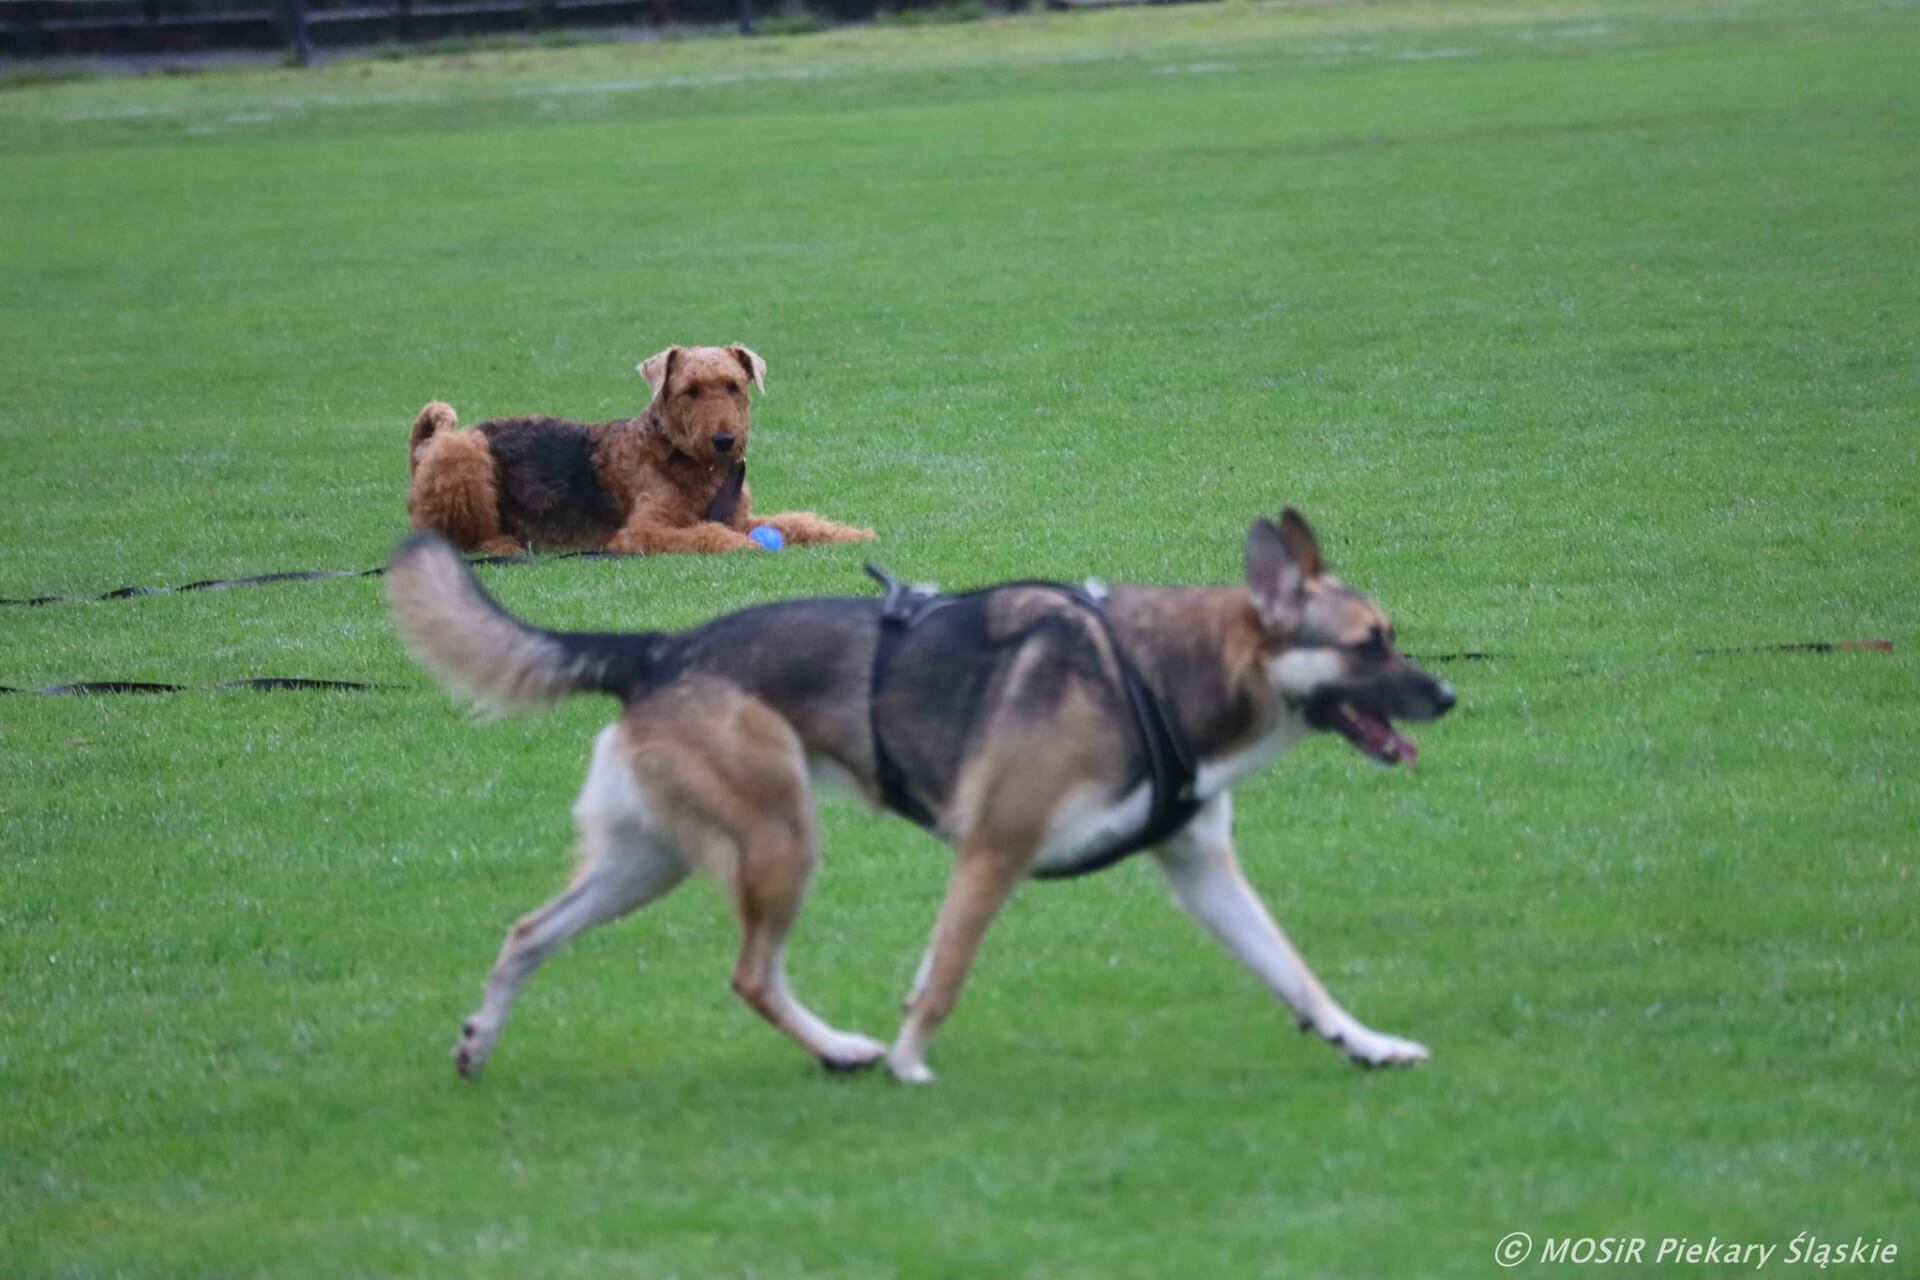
x,y
733,388
1373,647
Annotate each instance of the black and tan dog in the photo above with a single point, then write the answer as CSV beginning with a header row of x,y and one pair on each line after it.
x,y
672,479
1041,730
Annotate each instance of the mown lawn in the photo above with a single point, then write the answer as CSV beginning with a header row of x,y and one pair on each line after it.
x,y
1588,336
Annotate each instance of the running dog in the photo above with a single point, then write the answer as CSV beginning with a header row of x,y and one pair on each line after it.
x,y
1041,730
672,479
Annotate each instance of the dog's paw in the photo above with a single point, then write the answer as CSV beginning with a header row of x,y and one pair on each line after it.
x,y
910,1072
471,1050
849,1052
1374,1049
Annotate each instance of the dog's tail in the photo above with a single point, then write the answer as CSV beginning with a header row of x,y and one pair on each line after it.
x,y
436,417
478,649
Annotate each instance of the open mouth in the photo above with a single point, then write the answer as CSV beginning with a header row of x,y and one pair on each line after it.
x,y
1371,733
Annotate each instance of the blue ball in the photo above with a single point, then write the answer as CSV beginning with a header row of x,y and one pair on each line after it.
x,y
768,536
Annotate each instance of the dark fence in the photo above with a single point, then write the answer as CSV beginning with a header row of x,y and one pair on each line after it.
x,y
48,28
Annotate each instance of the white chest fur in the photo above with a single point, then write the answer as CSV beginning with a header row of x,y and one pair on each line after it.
x,y
1086,821
1219,774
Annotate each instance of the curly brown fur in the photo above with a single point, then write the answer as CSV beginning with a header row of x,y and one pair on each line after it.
x,y
644,484
435,418
455,491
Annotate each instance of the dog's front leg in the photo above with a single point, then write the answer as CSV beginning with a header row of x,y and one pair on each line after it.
x,y
706,537
801,527
797,528
983,879
1207,881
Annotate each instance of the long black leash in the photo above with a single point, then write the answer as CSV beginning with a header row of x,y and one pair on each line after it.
x,y
292,575
904,607
1171,772
276,684
258,684
724,503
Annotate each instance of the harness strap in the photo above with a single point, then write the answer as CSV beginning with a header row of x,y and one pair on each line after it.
x,y
727,499
899,611
1171,773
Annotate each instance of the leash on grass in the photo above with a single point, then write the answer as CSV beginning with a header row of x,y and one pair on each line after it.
x,y
258,684
291,575
721,509
281,684
1873,644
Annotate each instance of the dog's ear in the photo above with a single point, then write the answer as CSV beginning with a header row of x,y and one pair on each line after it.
x,y
657,368
1298,535
750,361
1276,580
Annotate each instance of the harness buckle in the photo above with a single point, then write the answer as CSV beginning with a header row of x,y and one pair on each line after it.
x,y
904,602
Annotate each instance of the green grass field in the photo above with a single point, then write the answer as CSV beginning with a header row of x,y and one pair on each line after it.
x,y
1587,336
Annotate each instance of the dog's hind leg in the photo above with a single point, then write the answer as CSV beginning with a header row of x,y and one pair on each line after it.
x,y
1207,881
623,866
729,778
768,892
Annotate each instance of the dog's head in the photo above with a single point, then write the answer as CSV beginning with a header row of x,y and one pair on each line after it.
x,y
1329,651
700,398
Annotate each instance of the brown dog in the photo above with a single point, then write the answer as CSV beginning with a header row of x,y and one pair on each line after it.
x,y
672,479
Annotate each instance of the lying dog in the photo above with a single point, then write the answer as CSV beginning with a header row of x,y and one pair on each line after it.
x,y
1041,730
672,479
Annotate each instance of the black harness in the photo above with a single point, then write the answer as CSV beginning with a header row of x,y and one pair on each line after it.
x,y
1171,773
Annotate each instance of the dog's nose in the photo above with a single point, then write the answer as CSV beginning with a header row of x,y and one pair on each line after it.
x,y
1444,699
723,443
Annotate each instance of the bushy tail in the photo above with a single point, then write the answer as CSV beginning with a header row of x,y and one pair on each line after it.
x,y
434,418
461,634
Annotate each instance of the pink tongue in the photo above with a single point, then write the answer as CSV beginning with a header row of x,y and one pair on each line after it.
x,y
1405,746
1382,739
